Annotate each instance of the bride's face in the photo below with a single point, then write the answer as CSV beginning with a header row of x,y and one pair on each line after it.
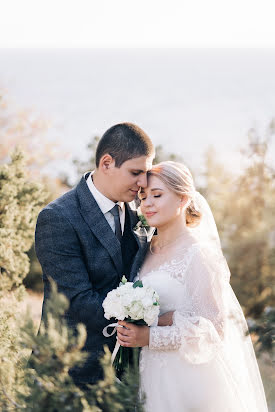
x,y
159,205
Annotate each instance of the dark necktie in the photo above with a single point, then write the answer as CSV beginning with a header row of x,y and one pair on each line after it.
x,y
115,213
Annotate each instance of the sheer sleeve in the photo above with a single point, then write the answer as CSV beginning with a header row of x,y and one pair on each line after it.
x,y
198,329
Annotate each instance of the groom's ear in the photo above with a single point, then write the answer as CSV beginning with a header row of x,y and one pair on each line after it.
x,y
106,163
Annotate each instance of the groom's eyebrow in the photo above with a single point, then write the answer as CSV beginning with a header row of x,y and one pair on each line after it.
x,y
138,171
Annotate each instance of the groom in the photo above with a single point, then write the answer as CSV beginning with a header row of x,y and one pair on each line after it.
x,y
85,239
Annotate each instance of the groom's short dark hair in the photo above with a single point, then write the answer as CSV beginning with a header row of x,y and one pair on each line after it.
x,y
124,141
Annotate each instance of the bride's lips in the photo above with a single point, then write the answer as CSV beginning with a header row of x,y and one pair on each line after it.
x,y
149,214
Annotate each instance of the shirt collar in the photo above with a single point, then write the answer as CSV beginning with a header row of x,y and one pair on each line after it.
x,y
103,202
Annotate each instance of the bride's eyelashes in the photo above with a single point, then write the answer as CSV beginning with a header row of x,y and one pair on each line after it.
x,y
144,198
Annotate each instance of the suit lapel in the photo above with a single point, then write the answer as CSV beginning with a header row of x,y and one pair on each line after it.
x,y
140,256
95,219
140,234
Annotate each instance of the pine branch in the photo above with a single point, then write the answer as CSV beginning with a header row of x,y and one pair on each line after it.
x,y
9,398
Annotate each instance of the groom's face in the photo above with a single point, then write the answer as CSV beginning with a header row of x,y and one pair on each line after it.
x,y
126,180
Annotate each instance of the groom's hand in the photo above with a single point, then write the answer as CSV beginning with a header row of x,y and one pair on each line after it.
x,y
166,319
132,335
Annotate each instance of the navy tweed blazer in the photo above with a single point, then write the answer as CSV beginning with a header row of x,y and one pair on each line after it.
x,y
76,247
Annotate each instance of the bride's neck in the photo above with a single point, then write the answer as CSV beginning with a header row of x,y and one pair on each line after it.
x,y
172,230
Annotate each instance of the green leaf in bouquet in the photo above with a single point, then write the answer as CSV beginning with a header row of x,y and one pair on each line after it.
x,y
136,322
123,280
138,284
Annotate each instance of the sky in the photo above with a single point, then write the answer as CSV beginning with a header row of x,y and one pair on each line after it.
x,y
190,75
142,23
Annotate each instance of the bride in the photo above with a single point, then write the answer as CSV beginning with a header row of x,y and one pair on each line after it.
x,y
198,358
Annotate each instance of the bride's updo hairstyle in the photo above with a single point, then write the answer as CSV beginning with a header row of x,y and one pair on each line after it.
x,y
177,177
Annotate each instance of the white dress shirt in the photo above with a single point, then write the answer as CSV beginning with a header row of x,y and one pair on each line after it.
x,y
106,204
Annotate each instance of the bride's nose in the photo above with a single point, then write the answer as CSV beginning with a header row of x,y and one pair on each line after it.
x,y
147,202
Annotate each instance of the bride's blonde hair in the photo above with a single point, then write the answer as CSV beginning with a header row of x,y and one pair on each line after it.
x,y
177,177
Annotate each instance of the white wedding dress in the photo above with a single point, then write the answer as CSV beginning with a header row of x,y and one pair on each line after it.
x,y
203,362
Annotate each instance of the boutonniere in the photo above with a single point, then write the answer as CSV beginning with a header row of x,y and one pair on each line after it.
x,y
142,223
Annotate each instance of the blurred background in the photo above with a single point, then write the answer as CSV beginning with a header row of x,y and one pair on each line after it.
x,y
186,100
212,108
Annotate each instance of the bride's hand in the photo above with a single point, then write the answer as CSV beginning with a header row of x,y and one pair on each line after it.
x,y
166,319
132,335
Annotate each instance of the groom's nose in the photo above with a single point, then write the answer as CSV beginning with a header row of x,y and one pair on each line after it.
x,y
142,180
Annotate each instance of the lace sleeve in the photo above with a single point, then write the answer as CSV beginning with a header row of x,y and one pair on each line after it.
x,y
198,332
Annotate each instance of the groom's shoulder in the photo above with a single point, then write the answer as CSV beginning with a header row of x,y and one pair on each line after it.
x,y
64,204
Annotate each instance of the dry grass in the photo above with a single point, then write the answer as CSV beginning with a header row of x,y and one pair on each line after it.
x,y
33,301
268,375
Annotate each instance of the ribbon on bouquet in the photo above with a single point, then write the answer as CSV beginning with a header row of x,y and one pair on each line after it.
x,y
108,335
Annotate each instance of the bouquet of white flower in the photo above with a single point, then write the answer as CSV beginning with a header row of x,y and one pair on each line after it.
x,y
132,302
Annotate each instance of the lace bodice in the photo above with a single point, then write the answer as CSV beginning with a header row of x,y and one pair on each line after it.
x,y
191,285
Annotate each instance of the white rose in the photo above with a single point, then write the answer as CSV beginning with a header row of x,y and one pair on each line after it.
x,y
136,310
151,315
